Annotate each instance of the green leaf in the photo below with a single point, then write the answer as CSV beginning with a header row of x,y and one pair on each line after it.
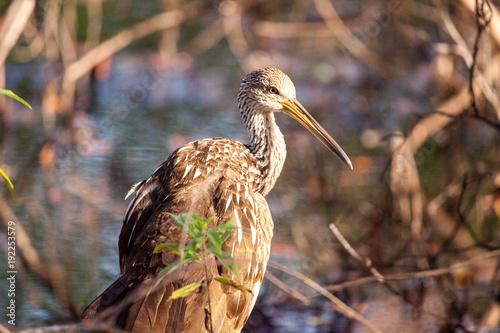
x,y
7,180
232,283
184,291
196,224
11,94
194,245
172,247
203,224
220,233
225,258
190,256
179,219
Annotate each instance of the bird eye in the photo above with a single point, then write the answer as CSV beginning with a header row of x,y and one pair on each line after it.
x,y
274,90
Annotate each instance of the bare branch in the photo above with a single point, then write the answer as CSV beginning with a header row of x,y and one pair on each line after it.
x,y
340,306
290,291
482,20
118,42
17,16
15,20
474,261
363,260
344,35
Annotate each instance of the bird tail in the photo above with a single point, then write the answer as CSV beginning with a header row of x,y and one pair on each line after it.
x,y
110,297
138,306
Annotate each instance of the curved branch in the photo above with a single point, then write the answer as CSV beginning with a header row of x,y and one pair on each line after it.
x,y
340,306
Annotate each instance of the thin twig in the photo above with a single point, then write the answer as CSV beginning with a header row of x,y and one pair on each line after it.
x,y
367,262
290,291
461,116
474,261
482,21
476,79
341,306
209,280
463,220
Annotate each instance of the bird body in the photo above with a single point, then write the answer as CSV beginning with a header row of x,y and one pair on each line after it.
x,y
211,177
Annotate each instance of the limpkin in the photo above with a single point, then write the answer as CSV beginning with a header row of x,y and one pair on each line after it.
x,y
211,177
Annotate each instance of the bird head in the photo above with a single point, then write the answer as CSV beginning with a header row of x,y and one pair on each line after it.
x,y
271,90
266,89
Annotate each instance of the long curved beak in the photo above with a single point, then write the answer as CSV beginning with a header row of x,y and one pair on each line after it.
x,y
299,113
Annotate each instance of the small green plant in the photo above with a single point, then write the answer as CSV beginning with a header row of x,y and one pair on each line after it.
x,y
203,241
2,173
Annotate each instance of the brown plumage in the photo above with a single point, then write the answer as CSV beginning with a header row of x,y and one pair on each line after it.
x,y
211,177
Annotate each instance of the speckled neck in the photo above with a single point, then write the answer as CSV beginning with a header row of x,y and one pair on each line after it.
x,y
267,143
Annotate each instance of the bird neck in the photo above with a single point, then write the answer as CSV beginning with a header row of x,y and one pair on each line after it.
x,y
267,145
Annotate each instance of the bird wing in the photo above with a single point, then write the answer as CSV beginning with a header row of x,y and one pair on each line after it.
x,y
203,177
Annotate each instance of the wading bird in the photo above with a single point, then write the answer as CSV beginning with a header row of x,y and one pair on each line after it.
x,y
211,177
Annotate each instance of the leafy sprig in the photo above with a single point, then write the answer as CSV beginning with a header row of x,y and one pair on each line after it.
x,y
202,240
